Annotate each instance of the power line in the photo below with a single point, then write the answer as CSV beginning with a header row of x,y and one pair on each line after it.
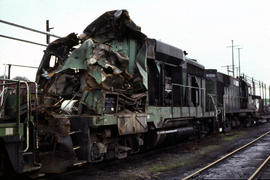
x,y
27,28
22,40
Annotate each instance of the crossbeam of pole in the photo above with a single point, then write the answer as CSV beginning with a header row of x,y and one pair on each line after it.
x,y
18,65
27,28
22,40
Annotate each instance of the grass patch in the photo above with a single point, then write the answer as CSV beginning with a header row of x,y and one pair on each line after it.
x,y
202,151
235,135
164,167
208,149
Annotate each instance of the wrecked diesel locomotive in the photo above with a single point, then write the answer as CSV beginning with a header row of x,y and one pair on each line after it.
x,y
112,91
116,92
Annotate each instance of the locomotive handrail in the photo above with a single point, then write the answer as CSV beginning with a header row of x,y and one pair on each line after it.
x,y
213,101
203,92
18,107
15,82
36,110
4,84
175,84
2,96
28,115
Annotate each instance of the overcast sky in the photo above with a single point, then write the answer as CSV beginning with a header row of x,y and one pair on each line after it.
x,y
202,28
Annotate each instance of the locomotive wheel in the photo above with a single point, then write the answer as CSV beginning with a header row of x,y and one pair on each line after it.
x,y
249,122
234,123
227,125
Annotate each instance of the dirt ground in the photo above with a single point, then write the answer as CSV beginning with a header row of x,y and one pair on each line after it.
x,y
174,162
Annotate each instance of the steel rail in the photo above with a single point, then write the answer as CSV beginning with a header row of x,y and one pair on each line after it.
x,y
224,157
259,169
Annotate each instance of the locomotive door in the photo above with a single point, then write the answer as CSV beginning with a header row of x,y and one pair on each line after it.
x,y
172,86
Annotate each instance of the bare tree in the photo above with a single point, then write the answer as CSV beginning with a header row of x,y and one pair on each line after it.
x,y
23,78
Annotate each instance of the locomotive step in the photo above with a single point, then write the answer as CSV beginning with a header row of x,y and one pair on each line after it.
x,y
74,132
27,153
76,147
79,163
30,167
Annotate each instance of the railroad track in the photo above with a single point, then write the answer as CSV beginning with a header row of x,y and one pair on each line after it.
x,y
259,170
239,164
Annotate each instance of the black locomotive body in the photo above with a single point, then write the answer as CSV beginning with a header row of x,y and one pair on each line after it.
x,y
232,97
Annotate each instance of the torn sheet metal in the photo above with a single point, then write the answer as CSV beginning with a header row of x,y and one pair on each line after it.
x,y
59,48
141,64
113,25
64,84
77,59
111,58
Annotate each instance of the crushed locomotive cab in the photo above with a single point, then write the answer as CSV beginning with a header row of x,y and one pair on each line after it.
x,y
103,71
110,60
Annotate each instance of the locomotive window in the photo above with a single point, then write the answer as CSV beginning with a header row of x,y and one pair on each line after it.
x,y
164,82
236,83
154,86
211,75
53,61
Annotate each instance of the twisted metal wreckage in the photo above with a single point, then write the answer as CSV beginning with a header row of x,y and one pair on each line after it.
x,y
111,57
110,62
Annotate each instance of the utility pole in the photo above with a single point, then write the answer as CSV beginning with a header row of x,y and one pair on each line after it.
x,y
232,46
262,93
48,29
260,88
264,87
9,67
269,95
239,64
